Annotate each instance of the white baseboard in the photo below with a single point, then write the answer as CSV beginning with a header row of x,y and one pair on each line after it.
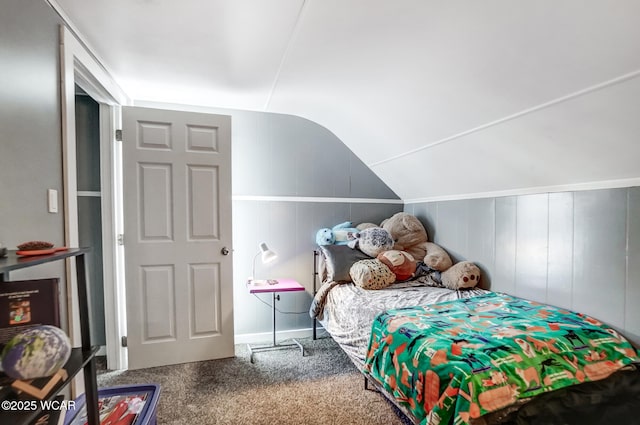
x,y
266,337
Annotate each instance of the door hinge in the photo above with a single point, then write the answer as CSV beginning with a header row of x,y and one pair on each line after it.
x,y
118,135
120,239
123,341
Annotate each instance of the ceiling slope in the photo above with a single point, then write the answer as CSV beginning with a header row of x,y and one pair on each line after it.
x,y
223,53
441,99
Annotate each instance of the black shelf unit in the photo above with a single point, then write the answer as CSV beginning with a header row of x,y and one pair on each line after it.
x,y
82,358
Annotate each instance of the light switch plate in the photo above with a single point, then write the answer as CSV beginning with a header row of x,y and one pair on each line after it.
x,y
52,200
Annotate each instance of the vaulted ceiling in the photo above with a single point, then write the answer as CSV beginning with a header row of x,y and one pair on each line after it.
x,y
442,99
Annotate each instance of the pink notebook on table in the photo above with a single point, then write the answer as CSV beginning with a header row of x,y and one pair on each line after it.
x,y
283,285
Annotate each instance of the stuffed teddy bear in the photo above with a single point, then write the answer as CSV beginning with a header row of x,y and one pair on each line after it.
x,y
401,263
372,241
464,274
340,234
409,235
363,226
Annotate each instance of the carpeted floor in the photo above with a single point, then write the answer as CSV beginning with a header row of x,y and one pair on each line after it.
x,y
280,387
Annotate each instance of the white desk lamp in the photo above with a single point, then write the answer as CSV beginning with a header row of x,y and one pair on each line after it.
x,y
266,255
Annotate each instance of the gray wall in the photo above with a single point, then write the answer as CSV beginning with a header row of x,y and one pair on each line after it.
x,y
289,228
30,130
577,250
282,156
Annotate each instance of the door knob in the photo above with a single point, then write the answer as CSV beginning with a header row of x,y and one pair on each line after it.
x,y
225,251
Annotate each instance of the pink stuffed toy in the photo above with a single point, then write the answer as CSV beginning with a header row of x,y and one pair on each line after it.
x,y
401,263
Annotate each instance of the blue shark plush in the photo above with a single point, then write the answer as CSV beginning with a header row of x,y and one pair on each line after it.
x,y
340,234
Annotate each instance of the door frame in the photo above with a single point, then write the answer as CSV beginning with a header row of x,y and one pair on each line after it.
x,y
79,66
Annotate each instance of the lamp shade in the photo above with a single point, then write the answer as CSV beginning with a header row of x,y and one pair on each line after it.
x,y
267,255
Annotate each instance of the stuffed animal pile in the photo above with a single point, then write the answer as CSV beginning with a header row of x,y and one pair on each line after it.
x,y
397,248
410,235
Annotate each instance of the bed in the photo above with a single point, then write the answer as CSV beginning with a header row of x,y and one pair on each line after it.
x,y
474,356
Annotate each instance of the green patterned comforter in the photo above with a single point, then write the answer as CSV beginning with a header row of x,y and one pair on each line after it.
x,y
454,361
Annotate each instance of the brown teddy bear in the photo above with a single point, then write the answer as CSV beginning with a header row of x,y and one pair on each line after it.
x,y
464,274
363,226
409,235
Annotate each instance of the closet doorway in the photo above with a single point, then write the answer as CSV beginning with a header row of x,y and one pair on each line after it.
x,y
94,169
89,200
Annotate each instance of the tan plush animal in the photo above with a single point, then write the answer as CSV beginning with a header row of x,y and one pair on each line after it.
x,y
409,235
464,274
436,257
363,226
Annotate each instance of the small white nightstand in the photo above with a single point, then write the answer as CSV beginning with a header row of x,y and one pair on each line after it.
x,y
282,285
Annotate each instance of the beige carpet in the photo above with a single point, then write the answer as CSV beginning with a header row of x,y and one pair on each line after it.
x,y
281,387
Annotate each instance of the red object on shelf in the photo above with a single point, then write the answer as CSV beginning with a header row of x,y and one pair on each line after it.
x,y
36,252
28,252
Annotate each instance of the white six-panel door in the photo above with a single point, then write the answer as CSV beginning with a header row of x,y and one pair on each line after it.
x,y
177,204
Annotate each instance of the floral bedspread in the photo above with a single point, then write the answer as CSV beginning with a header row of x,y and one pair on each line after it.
x,y
454,361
